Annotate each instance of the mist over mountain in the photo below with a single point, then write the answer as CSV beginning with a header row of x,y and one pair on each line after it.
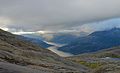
x,y
56,37
95,41
35,40
65,38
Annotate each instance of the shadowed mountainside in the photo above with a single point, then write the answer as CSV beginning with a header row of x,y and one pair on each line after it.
x,y
35,40
96,41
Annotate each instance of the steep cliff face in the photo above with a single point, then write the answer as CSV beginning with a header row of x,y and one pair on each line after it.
x,y
19,56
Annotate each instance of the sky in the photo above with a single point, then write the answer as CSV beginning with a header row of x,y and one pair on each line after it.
x,y
59,15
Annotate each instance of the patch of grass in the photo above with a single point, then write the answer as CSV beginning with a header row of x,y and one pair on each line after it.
x,y
90,64
110,55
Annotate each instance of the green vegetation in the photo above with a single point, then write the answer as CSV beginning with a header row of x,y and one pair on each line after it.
x,y
90,65
112,55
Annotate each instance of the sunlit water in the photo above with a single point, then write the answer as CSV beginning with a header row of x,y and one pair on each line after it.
x,y
58,52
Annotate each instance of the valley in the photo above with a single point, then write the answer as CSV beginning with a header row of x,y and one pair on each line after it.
x,y
60,53
20,55
59,36
97,61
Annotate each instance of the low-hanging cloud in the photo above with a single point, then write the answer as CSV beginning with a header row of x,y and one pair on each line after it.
x,y
35,15
98,26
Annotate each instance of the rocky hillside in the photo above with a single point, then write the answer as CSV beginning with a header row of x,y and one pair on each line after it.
x,y
105,61
19,56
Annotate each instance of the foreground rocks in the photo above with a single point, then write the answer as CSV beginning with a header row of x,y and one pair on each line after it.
x,y
105,61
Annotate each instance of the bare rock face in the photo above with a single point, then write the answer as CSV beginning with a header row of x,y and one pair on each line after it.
x,y
19,56
12,68
108,69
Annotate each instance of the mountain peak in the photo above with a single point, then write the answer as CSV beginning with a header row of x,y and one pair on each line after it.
x,y
115,29
112,31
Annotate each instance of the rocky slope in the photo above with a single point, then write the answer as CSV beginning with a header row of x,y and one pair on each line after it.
x,y
105,61
19,56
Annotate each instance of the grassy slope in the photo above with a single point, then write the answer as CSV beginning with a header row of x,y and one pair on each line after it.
x,y
98,61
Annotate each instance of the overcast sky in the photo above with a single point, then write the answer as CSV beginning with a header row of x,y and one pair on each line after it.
x,y
55,15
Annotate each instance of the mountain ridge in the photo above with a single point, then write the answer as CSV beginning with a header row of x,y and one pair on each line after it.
x,y
95,41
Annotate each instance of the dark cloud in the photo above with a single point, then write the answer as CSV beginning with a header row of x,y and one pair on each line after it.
x,y
33,15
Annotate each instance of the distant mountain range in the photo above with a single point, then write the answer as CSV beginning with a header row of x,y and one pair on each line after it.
x,y
57,38
94,42
65,38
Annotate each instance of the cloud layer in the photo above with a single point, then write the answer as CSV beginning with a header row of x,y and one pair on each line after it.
x,y
98,26
35,15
